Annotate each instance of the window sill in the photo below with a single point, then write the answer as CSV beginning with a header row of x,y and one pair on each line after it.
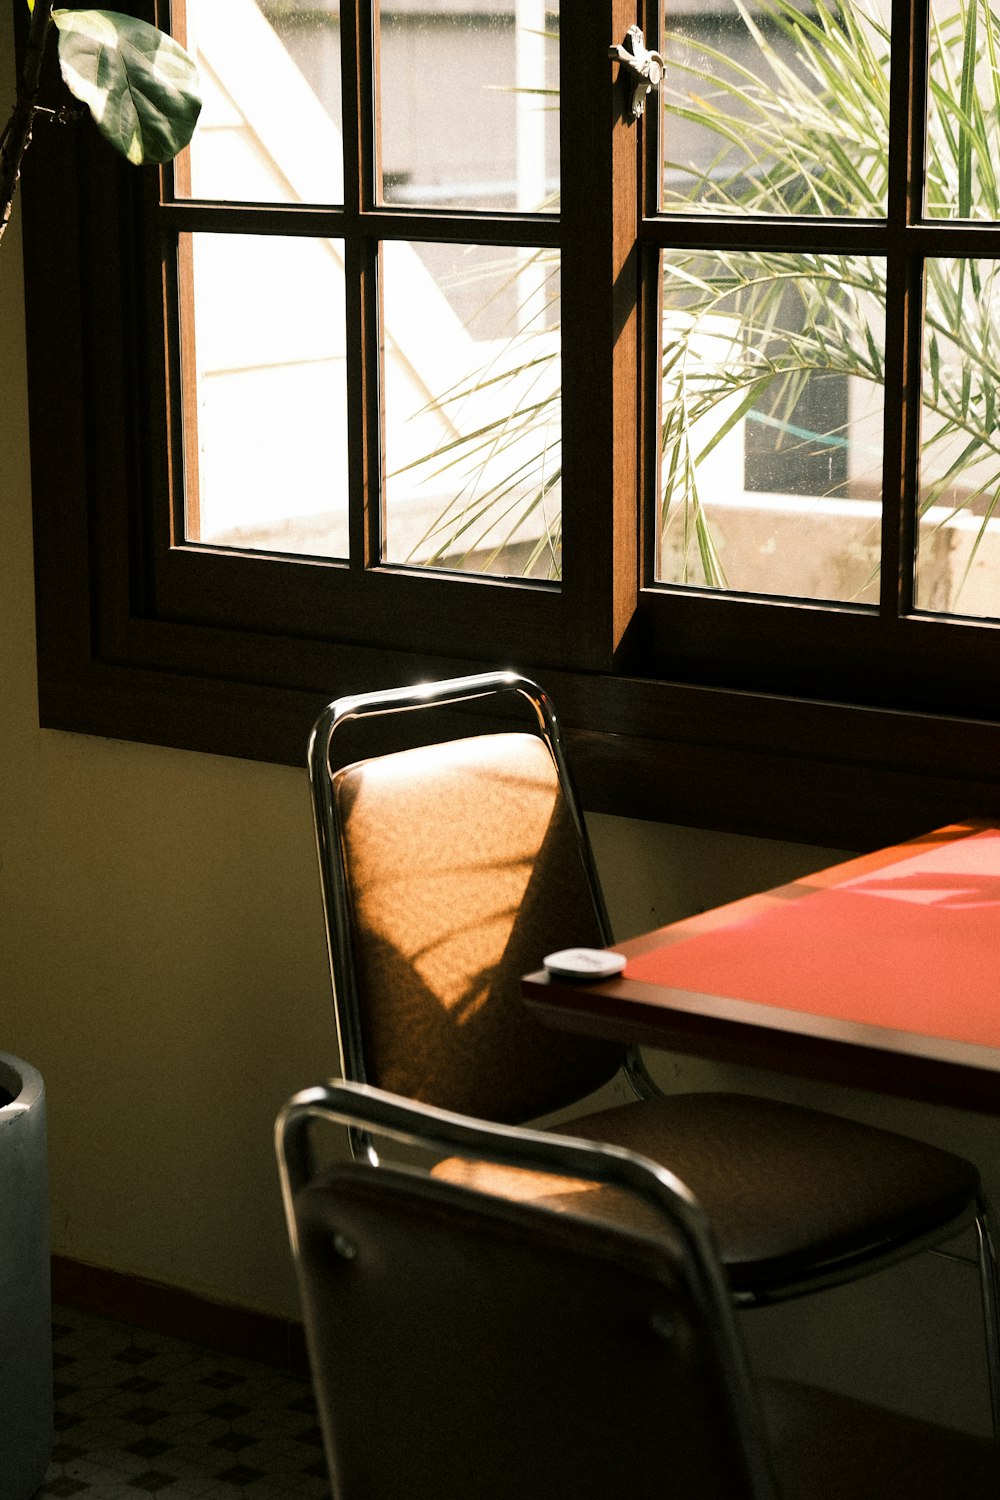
x,y
740,762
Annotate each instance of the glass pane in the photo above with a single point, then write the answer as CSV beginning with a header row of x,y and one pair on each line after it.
x,y
963,119
473,437
776,108
270,126
771,424
958,539
264,376
470,103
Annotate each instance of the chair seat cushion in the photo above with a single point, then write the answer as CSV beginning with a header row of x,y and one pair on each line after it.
x,y
793,1195
825,1446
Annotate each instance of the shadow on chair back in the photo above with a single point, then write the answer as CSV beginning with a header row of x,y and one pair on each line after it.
x,y
448,871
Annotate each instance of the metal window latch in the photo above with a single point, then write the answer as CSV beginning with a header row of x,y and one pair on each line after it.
x,y
648,66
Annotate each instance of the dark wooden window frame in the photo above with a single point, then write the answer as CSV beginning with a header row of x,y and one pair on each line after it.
x,y
828,724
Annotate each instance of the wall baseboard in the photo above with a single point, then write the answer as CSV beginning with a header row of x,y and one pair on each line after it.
x,y
179,1314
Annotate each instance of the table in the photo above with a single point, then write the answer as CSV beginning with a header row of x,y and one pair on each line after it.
x,y
882,973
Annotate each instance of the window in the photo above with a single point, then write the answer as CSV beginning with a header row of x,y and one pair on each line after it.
x,y
419,362
816,295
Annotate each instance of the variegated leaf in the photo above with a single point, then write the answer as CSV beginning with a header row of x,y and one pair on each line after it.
x,y
138,83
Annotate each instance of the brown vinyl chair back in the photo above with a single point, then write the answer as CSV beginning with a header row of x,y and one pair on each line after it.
x,y
463,1345
449,870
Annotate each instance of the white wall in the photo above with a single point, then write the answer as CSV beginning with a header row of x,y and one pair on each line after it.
x,y
162,963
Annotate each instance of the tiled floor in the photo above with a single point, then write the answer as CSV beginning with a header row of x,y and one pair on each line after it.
x,y
140,1415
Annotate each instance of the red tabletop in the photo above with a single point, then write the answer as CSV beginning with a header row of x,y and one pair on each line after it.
x,y
914,946
883,972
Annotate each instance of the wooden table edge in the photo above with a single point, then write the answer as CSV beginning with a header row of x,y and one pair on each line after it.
x,y
850,1064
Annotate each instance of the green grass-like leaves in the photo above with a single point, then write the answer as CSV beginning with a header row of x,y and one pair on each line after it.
x,y
796,124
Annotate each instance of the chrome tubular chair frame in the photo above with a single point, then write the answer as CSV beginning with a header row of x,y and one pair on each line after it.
x,y
327,825
455,1336
989,1290
365,1110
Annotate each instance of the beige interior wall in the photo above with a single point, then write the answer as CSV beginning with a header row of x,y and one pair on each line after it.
x,y
162,964
161,949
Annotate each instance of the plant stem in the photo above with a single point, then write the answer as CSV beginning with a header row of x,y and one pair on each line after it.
x,y
16,137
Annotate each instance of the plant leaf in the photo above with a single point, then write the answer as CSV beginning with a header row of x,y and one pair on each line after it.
x,y
967,132
934,353
138,83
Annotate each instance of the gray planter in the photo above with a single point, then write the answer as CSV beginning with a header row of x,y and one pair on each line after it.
x,y
25,1296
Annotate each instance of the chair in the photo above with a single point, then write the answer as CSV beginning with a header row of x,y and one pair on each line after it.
x,y
463,1344
450,869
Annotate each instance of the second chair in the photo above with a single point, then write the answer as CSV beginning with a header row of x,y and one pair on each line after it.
x,y
464,1345
451,869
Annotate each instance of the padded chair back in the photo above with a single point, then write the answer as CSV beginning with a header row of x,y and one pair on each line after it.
x,y
449,871
465,1345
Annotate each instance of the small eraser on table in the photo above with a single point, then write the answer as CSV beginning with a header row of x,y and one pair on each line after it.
x,y
584,963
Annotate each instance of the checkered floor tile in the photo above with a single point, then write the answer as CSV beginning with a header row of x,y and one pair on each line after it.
x,y
140,1415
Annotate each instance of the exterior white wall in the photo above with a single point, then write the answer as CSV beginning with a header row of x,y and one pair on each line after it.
x,y
269,342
